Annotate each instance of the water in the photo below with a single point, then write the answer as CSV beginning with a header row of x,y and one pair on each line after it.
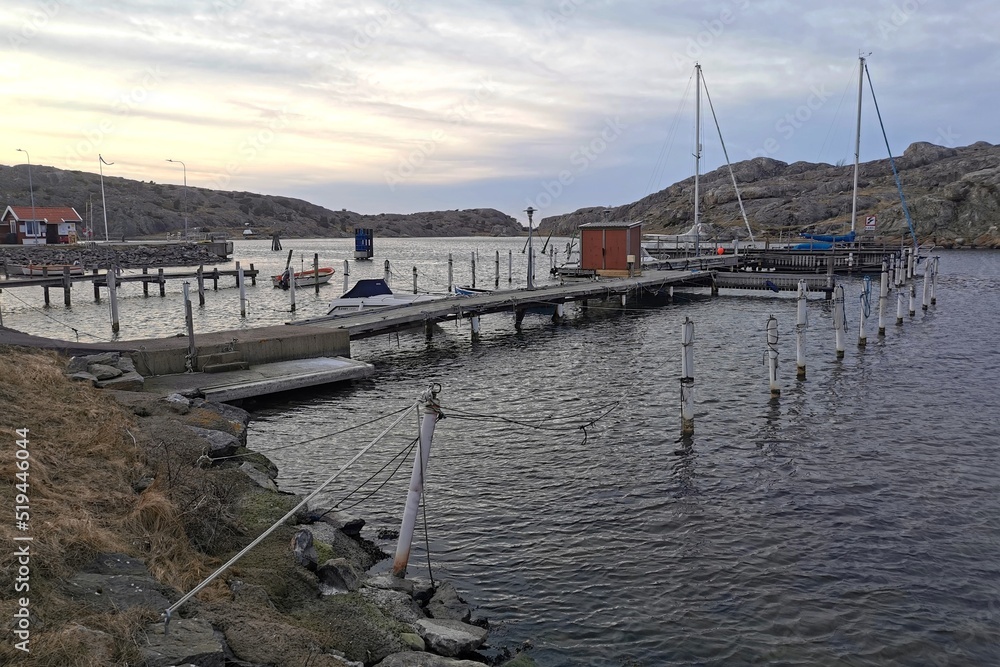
x,y
854,520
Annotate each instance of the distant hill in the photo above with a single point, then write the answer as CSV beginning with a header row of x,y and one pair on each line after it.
x,y
140,209
953,195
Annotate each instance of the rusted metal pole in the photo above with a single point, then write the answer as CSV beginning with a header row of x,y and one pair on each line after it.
x,y
431,413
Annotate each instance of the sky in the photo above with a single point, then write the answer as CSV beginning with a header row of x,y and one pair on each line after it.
x,y
399,106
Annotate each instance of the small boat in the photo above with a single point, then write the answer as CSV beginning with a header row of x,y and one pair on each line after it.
x,y
51,269
470,291
374,293
306,278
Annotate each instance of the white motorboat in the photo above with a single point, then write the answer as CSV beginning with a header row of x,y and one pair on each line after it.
x,y
374,293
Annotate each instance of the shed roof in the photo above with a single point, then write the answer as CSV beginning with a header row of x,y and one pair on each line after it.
x,y
612,224
45,213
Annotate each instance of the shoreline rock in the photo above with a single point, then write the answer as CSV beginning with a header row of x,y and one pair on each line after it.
x,y
125,256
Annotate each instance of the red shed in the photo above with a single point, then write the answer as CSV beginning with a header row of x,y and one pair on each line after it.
x,y
608,247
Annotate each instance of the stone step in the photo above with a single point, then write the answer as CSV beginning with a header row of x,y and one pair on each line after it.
x,y
226,366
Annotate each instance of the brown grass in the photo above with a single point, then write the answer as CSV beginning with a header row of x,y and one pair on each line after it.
x,y
84,458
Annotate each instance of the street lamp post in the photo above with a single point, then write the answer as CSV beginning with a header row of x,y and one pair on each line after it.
x,y
104,203
184,167
531,251
31,190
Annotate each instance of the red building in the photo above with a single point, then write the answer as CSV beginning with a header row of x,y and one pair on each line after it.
x,y
39,225
611,248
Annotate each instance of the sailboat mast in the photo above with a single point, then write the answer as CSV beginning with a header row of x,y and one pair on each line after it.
x,y
697,152
857,145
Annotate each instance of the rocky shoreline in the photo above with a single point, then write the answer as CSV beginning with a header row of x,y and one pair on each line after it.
x,y
125,256
192,495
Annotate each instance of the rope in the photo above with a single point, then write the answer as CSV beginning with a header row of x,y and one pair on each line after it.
x,y
866,296
194,591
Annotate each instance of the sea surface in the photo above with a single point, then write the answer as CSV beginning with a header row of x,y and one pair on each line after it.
x,y
854,520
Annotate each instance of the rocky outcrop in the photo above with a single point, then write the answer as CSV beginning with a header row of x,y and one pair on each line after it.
x,y
107,370
953,195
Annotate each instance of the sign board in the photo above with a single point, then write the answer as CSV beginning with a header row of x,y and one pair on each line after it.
x,y
870,223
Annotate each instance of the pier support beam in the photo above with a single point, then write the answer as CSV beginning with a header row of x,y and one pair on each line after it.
x,y
518,318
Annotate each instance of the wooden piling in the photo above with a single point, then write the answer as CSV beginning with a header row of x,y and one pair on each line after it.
x,y
253,276
201,285
66,282
45,288
315,272
97,288
496,283
243,289
162,282
451,274
473,269
145,282
215,279
414,280
113,297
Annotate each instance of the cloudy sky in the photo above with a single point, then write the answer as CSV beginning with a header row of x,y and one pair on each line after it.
x,y
406,105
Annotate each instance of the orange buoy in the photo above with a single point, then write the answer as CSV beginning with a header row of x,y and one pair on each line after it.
x,y
720,251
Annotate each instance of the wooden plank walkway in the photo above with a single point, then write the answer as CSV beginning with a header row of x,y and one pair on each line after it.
x,y
364,323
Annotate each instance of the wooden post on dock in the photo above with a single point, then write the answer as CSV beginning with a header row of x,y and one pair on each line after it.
x,y
451,274
687,377
291,289
496,283
772,356
162,281
839,322
215,279
45,288
113,296
473,269
145,282
243,289
801,323
97,288
66,286
253,276
201,285
883,296
431,413
347,274
414,280
316,272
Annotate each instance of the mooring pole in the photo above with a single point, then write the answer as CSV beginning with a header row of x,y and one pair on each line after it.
x,y
473,269
801,322
414,280
431,413
189,323
451,274
315,273
926,296
913,299
474,320
900,301
883,295
347,274
687,377
934,275
45,288
772,355
388,272
510,266
201,285
839,322
291,288
496,283
243,290
113,297
97,288
66,286
865,311
162,281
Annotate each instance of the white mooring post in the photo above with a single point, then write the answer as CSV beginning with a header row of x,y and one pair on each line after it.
x,y
687,377
913,299
291,289
863,315
839,323
883,295
189,362
473,269
451,274
801,322
388,272
911,263
900,304
431,413
934,280
926,296
772,355
243,290
474,320
347,275
113,297
510,266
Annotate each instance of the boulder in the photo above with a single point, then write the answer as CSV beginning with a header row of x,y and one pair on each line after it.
x,y
397,604
451,638
81,363
338,574
83,376
220,444
446,603
112,592
259,478
304,550
189,641
130,381
416,659
103,371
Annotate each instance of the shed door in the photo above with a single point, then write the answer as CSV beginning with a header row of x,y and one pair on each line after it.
x,y
617,249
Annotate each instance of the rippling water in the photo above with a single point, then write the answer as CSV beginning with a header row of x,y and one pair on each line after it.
x,y
854,520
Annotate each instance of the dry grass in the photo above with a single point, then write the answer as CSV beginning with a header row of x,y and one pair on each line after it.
x,y
83,463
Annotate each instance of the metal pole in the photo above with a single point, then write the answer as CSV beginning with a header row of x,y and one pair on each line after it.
x,y
531,252
801,322
112,276
243,290
839,321
687,377
347,274
184,167
473,269
913,299
31,191
431,413
697,154
496,283
857,144
201,285
315,272
414,280
104,202
883,295
772,355
451,274
189,322
291,288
